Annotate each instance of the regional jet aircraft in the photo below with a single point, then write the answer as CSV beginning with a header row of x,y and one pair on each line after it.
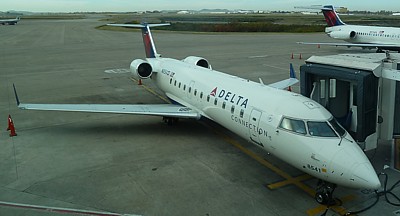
x,y
293,127
366,37
10,21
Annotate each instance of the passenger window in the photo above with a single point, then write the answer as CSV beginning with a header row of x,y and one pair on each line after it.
x,y
190,89
215,101
195,92
294,125
170,81
179,86
208,98
223,105
232,109
184,87
241,113
321,129
175,83
201,95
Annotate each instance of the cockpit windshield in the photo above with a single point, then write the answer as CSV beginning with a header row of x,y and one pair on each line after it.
x,y
320,129
337,127
329,128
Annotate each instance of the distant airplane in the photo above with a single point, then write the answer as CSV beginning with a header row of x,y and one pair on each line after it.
x,y
366,37
10,21
294,128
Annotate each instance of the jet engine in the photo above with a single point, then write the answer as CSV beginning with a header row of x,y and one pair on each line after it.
x,y
343,35
201,62
141,69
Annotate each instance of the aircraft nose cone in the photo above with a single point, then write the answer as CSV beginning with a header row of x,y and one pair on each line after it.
x,y
365,177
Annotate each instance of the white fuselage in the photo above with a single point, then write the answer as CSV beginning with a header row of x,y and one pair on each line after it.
x,y
254,111
9,21
366,34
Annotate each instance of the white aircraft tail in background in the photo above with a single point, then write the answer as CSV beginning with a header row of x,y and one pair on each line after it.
x,y
367,37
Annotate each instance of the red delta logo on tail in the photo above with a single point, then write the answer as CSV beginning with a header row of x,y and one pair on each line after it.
x,y
148,46
331,17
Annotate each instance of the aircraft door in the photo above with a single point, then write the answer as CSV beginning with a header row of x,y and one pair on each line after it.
x,y
254,121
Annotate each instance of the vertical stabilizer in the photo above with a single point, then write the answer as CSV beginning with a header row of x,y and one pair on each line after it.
x,y
148,41
331,17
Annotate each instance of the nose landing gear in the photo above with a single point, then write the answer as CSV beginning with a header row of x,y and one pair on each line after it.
x,y
324,193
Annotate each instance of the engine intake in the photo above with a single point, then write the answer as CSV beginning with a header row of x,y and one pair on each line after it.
x,y
343,35
201,62
141,69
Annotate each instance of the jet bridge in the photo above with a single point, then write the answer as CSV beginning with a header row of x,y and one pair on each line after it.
x,y
362,91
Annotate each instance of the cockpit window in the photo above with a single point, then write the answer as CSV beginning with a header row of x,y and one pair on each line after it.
x,y
336,126
294,125
320,129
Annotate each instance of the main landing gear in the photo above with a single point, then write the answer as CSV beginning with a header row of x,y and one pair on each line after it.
x,y
170,120
324,193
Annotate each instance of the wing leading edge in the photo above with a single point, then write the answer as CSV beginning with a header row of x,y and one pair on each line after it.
x,y
165,110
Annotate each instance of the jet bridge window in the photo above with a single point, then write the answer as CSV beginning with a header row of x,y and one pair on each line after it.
x,y
320,129
293,125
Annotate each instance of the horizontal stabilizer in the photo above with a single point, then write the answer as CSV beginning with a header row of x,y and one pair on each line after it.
x,y
139,25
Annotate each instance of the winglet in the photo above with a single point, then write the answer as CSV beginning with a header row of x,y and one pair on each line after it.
x,y
292,73
148,41
16,95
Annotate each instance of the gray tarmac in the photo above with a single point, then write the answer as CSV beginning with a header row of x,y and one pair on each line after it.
x,y
137,164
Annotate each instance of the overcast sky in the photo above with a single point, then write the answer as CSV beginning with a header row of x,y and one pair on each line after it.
x,y
137,5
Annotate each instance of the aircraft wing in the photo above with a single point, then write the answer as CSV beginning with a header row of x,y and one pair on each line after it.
x,y
165,110
284,83
287,82
362,45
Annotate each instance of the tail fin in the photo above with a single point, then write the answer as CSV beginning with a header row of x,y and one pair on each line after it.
x,y
331,17
148,41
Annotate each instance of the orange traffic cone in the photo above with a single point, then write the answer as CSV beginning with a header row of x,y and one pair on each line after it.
x,y
291,56
11,127
140,82
9,122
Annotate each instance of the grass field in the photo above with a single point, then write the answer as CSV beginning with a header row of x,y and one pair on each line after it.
x,y
245,22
